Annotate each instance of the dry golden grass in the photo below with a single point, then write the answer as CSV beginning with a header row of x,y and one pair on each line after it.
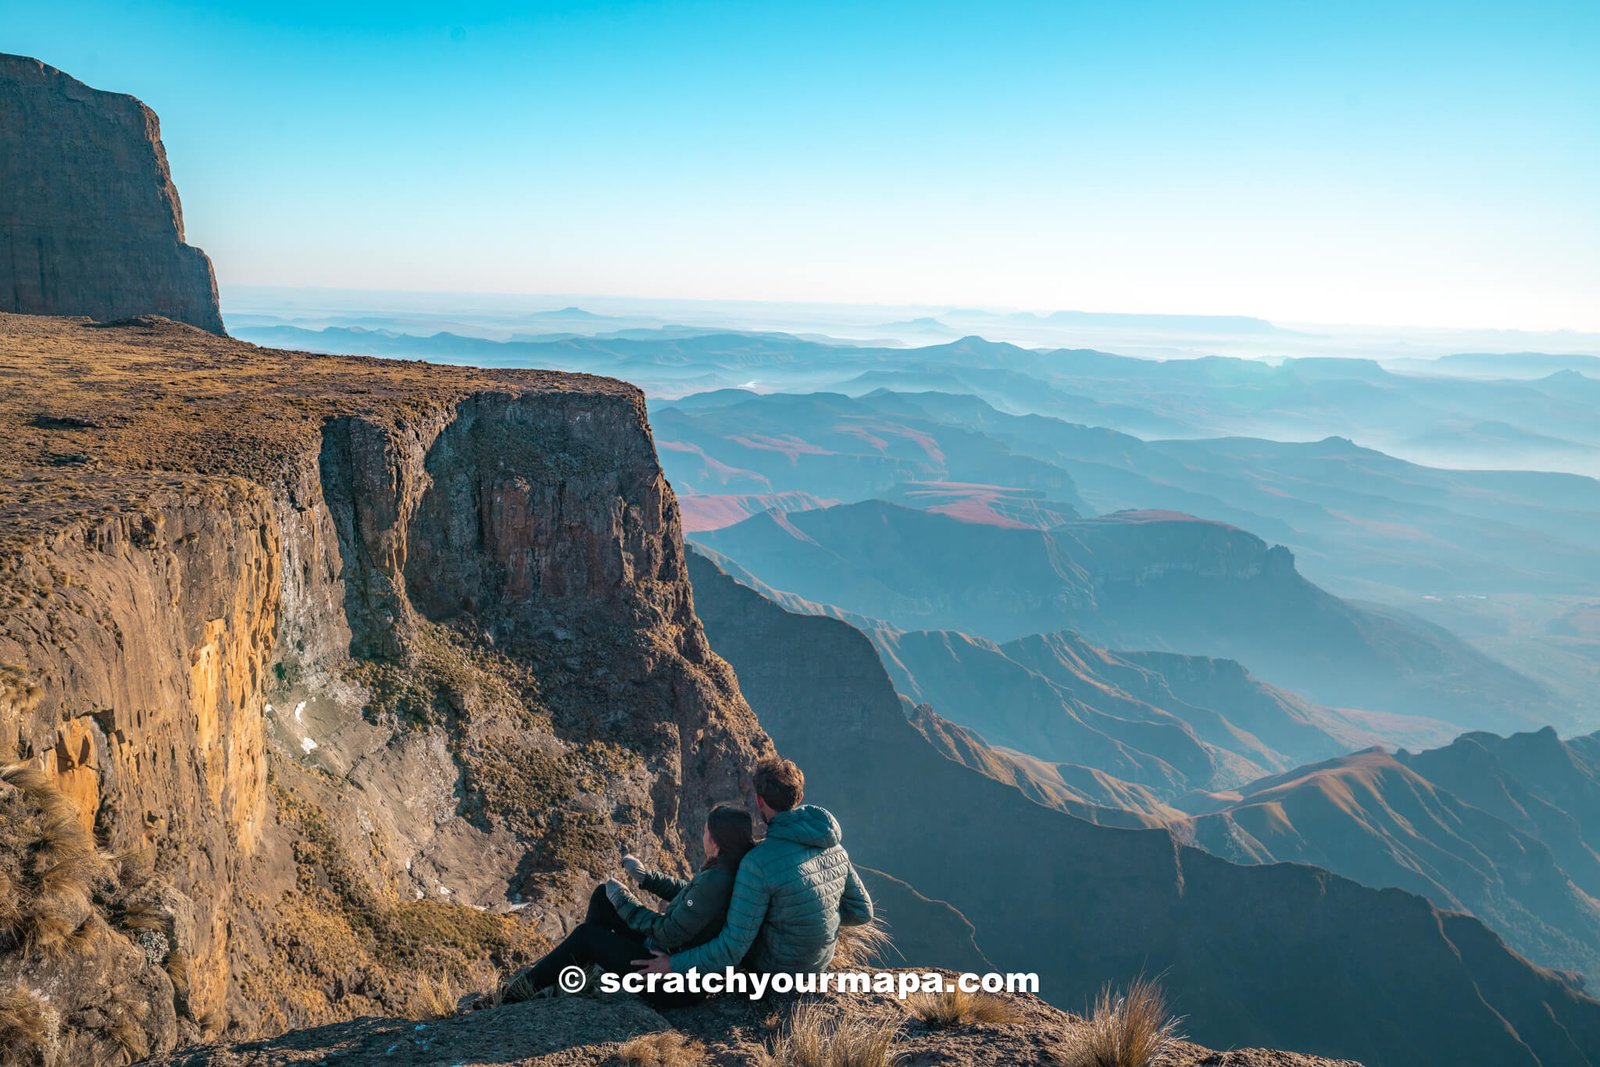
x,y
955,1007
178,968
667,1048
26,1031
127,1029
49,895
860,947
1128,1029
141,916
815,1037
437,996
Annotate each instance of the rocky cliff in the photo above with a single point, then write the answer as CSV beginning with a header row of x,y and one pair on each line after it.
x,y
90,223
320,650
1282,955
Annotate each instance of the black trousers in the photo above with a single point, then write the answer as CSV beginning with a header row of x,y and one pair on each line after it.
x,y
601,939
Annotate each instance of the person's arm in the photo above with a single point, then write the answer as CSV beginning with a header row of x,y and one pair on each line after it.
x,y
702,903
662,885
855,906
746,912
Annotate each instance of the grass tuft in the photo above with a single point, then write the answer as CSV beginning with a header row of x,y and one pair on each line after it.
x,y
440,995
141,917
956,1007
27,1033
179,967
49,892
127,1030
667,1048
815,1037
1128,1029
860,948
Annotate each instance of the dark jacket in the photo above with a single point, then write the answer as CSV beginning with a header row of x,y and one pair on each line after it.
x,y
694,913
793,892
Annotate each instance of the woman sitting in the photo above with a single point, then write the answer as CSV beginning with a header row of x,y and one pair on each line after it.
x,y
619,928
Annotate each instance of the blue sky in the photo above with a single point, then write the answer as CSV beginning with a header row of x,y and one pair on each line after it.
x,y
1423,163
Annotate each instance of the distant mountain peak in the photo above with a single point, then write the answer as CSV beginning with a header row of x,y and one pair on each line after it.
x,y
569,312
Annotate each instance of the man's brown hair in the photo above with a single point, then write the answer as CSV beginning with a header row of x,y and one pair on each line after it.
x,y
780,783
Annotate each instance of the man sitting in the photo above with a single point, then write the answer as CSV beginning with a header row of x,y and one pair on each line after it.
x,y
792,893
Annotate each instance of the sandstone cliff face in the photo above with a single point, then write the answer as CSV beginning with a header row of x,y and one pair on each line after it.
x,y
90,224
379,664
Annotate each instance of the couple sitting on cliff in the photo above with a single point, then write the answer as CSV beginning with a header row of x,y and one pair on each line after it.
x,y
773,905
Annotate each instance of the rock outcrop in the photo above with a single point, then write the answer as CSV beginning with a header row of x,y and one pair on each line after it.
x,y
598,1030
1282,955
90,223
377,665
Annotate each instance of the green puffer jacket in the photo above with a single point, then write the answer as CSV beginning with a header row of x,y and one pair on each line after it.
x,y
694,913
793,892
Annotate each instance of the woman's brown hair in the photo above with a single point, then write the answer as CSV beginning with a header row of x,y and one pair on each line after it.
x,y
734,830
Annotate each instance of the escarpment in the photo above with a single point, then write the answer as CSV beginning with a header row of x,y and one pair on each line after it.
x,y
90,224
374,666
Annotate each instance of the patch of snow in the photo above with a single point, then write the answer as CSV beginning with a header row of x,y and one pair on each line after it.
x,y
298,708
307,745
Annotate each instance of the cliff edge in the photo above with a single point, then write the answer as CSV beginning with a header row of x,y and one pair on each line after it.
x,y
90,223
619,1030
353,677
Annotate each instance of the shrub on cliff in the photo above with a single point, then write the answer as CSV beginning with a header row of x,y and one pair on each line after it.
x,y
861,948
83,937
667,1048
955,1007
817,1037
1128,1029
49,866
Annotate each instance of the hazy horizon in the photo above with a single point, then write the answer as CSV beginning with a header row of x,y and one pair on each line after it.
x,y
500,315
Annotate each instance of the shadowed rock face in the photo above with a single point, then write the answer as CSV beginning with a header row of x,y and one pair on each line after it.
x,y
90,223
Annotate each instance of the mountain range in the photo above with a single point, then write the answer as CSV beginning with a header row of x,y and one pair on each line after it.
x,y
1276,954
1357,519
1418,416
1134,580
1166,721
1505,828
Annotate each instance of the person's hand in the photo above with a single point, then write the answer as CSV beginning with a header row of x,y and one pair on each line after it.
x,y
614,891
658,963
633,864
